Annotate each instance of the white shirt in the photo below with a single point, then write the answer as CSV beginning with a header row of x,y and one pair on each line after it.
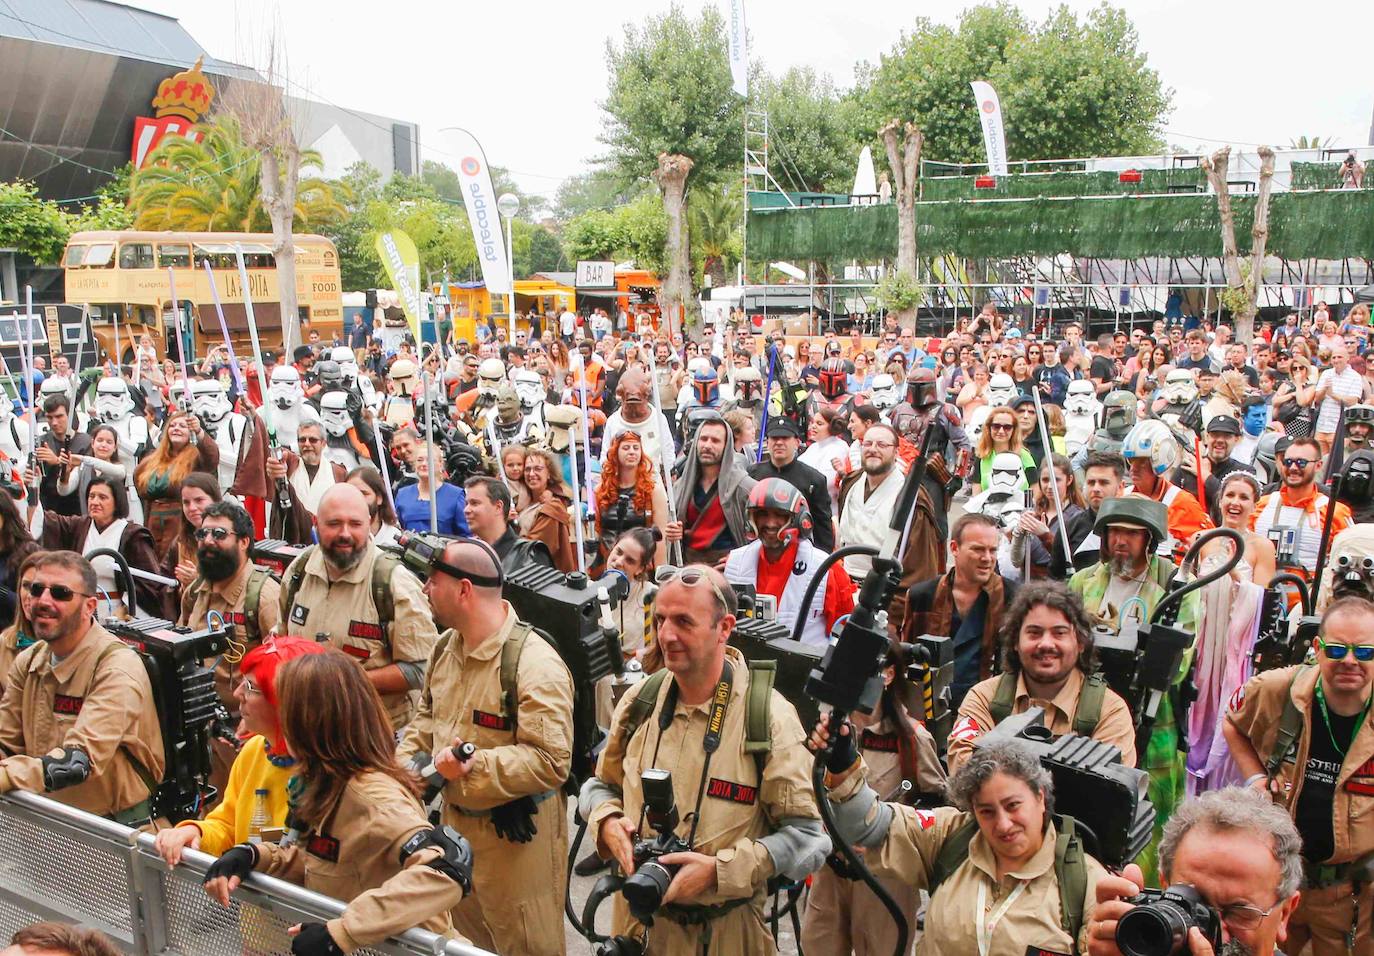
x,y
567,323
819,454
1348,384
865,521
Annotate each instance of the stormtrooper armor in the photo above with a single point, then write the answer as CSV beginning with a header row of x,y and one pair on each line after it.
x,y
398,408
885,394
529,385
228,428
338,422
353,380
14,433
114,405
565,433
1081,410
1001,389
1004,498
287,398
1181,408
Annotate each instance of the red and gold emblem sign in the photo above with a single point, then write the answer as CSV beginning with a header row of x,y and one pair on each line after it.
x,y
180,103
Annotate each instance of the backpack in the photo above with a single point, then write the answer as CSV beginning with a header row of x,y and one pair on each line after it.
x,y
1085,716
252,600
1070,868
1291,723
758,726
382,570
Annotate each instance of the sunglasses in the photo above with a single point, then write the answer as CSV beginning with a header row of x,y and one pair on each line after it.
x,y
219,534
1364,653
1296,462
60,592
1000,427
691,577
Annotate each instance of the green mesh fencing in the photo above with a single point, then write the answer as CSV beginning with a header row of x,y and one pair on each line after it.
x,y
1097,183
1325,225
1315,176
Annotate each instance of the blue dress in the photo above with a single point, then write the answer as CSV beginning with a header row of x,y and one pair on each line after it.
x,y
412,513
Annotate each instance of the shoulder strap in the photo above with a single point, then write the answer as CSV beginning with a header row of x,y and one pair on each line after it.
x,y
1089,710
1071,872
1290,729
758,718
953,852
382,569
295,574
644,701
252,600
1005,699
510,669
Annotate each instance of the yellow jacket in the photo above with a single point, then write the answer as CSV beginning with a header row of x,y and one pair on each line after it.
x,y
227,824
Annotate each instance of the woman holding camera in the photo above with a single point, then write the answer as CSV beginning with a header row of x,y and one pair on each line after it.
x,y
1000,869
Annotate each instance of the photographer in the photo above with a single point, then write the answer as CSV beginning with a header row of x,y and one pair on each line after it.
x,y
506,798
1239,853
1303,734
1047,657
747,815
1005,876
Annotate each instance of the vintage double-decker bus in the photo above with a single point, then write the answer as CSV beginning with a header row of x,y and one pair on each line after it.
x,y
121,278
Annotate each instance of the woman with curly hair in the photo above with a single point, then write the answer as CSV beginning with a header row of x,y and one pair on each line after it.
x,y
546,518
184,448
628,495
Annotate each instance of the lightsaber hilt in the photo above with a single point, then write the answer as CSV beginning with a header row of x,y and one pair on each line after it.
x,y
462,753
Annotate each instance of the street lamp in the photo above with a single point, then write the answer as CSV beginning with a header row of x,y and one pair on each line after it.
x,y
508,204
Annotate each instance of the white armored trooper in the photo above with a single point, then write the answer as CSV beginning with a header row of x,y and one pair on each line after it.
x,y
288,404
1180,400
1001,389
338,424
353,380
529,385
491,375
886,394
398,408
1082,413
115,406
1004,498
14,433
227,427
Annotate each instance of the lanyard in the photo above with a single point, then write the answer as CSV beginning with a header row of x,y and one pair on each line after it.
x,y
986,926
1326,719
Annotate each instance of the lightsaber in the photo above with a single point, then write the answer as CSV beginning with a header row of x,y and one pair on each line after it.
x,y
767,400
429,452
181,336
283,495
496,448
1054,478
26,358
577,500
586,430
382,466
664,443
224,329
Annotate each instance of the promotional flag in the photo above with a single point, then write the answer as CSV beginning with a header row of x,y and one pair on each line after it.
x,y
990,112
865,182
739,48
402,263
461,148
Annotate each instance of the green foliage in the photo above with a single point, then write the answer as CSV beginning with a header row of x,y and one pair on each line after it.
x,y
106,213
544,253
447,186
598,189
811,130
1068,87
670,92
716,215
1239,301
1311,142
637,230
898,292
36,227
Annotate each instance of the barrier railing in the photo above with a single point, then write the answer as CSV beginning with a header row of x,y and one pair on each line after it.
x,y
59,863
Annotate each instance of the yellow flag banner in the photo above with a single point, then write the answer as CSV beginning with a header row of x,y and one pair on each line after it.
x,y
402,262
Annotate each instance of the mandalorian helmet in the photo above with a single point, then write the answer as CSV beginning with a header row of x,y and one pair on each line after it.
x,y
1119,413
330,375
834,379
706,387
920,388
748,385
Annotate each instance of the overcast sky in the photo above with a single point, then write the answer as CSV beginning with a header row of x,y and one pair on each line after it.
x,y
527,76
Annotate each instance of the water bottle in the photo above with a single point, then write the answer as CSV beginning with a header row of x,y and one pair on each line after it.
x,y
260,820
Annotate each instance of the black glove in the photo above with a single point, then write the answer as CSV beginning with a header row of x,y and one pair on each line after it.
x,y
514,821
236,861
314,940
845,750
68,770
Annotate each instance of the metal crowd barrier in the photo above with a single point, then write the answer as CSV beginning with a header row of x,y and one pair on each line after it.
x,y
62,864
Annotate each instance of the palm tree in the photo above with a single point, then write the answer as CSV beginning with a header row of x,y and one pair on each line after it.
x,y
214,186
1310,142
715,214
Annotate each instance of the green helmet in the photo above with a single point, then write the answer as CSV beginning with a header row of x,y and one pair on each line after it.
x,y
1134,510
1119,412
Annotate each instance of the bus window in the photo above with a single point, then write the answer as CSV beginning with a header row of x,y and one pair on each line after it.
x,y
100,256
136,255
76,255
174,255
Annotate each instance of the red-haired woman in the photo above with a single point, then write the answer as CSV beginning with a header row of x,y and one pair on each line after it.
x,y
628,496
159,476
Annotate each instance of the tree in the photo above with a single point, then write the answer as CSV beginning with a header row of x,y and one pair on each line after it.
x,y
34,226
598,189
1243,280
1067,87
715,213
448,186
813,143
904,161
671,115
637,230
545,254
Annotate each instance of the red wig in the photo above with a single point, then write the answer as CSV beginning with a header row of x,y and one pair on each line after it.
x,y
261,664
608,490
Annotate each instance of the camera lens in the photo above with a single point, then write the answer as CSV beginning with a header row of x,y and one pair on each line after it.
x,y
644,890
1159,928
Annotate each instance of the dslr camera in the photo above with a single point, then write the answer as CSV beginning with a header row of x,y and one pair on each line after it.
x,y
1159,923
644,890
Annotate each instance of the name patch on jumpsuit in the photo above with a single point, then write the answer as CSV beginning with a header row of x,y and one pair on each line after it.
x,y
884,743
490,721
324,847
734,792
63,704
1362,780
365,629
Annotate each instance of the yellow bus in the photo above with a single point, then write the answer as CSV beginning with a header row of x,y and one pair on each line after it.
x,y
121,277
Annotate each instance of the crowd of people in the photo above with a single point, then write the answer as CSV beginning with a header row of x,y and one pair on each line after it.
x,y
403,745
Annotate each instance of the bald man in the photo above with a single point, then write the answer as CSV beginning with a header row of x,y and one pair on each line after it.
x,y
507,798
361,600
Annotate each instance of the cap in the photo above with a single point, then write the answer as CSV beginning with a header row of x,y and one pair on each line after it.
x,y
1021,399
783,428
1222,425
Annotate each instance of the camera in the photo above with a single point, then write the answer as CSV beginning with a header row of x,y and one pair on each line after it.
x,y
1159,923
644,890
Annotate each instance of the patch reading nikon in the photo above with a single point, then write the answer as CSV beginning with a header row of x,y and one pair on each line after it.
x,y
490,721
734,792
365,629
62,704
299,613
324,847
885,743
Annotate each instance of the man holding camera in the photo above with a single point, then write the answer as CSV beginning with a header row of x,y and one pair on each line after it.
x,y
1303,734
77,720
1232,858
745,805
1047,657
347,592
494,683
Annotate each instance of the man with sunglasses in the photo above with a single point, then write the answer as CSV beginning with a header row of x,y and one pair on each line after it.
x,y
1293,517
1303,735
507,797
77,719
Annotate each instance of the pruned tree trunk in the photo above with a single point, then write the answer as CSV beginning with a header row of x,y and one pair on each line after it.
x,y
279,198
904,161
1259,239
1217,166
1243,298
671,177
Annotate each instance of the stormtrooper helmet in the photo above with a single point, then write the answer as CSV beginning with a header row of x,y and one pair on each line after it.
x,y
1001,389
1006,475
113,403
52,385
748,385
490,375
348,364
886,393
402,376
508,409
285,392
529,385
209,401
563,421
180,399
1180,387
334,413
1081,398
